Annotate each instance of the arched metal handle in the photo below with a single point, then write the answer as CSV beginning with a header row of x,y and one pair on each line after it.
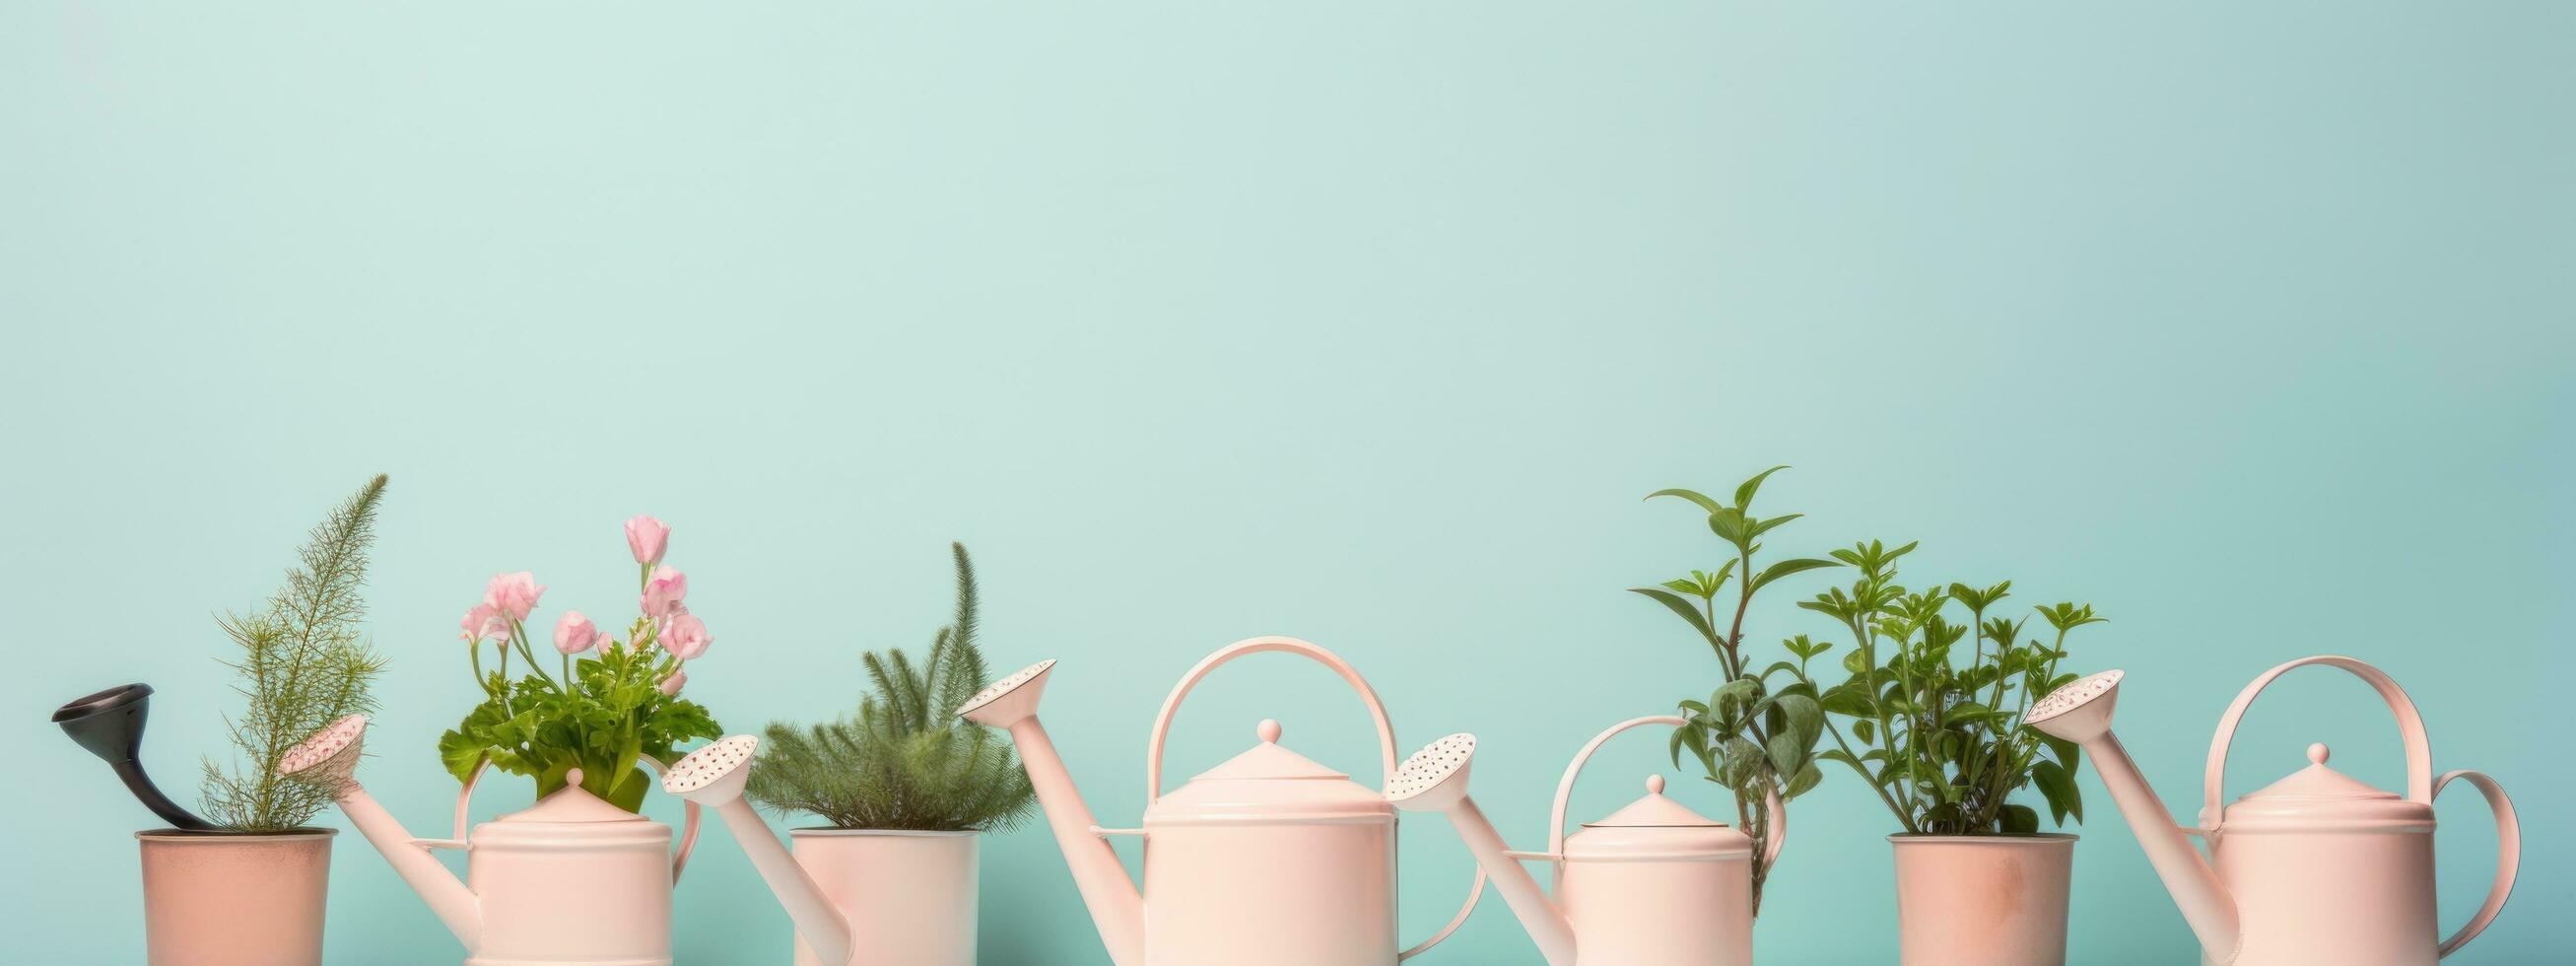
x,y
1163,722
2410,726
1775,835
2508,854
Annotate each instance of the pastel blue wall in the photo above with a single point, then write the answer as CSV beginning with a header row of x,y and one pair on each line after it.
x,y
1368,323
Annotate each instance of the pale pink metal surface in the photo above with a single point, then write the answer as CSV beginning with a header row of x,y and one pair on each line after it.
x,y
1249,871
523,865
909,897
715,775
218,899
2316,869
1982,900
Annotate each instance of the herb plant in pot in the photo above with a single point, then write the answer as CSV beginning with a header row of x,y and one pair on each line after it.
x,y
248,886
903,788
1929,717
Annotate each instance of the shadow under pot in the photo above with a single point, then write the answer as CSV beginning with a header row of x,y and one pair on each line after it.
x,y
909,896
234,898
1982,900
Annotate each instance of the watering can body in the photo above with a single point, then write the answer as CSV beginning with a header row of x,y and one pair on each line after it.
x,y
1652,884
2315,868
571,879
1269,859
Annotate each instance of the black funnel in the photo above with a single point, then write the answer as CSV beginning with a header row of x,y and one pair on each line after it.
x,y
110,725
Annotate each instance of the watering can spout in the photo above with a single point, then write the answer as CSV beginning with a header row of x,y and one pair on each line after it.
x,y
330,757
1435,780
1117,909
715,775
2080,711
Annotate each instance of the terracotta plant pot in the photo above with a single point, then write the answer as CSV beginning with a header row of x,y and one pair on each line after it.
x,y
909,896
233,899
1982,900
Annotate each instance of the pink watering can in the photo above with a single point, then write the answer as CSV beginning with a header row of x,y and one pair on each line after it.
x,y
1266,860
1652,884
2315,868
715,776
525,867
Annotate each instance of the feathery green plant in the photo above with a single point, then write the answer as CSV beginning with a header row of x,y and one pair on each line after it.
x,y
303,665
904,762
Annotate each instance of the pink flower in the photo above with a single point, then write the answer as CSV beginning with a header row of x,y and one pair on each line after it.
x,y
671,685
513,594
482,622
664,592
686,637
648,537
575,633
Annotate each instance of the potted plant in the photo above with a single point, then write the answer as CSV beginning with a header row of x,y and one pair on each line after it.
x,y
609,706
578,875
1753,738
903,788
1929,716
250,886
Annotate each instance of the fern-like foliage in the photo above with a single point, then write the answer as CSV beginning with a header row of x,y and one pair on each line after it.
x,y
904,761
303,665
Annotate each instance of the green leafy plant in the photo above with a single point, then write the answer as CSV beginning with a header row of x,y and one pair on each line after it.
x,y
1752,738
904,761
604,712
303,665
1939,740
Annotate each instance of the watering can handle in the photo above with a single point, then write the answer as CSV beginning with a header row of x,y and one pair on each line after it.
x,y
465,799
1377,711
2508,858
1778,828
1163,722
2410,725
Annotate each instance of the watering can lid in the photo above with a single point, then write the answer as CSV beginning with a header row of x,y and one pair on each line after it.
x,y
1268,783
2319,792
571,804
1656,827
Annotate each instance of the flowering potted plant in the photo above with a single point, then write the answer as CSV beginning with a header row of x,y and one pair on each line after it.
x,y
248,886
904,787
1939,742
607,704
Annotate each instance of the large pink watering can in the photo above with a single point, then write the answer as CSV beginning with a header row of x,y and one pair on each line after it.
x,y
2315,868
1652,884
1266,860
572,879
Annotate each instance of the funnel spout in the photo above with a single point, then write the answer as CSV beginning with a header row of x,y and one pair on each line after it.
x,y
1116,908
2080,711
2204,901
1545,923
822,925
449,898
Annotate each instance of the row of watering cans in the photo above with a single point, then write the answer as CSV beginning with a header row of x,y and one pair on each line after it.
x,y
1271,859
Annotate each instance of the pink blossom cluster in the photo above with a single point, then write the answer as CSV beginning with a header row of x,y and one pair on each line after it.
x,y
509,598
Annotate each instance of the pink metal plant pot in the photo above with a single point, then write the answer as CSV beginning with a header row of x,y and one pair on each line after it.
x,y
909,897
227,899
1982,900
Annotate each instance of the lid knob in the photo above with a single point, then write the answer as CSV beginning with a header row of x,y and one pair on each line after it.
x,y
1654,784
2317,753
1269,731
572,777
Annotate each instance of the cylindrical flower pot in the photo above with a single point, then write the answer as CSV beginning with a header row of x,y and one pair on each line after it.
x,y
909,896
235,899
1982,900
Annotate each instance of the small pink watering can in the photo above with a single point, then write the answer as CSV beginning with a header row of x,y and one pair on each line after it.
x,y
1266,860
1652,884
2316,868
572,879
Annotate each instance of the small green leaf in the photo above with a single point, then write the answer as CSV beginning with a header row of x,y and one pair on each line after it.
x,y
1678,605
1744,491
1783,568
1705,503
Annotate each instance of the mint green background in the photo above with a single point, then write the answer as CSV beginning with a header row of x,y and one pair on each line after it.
x,y
1367,323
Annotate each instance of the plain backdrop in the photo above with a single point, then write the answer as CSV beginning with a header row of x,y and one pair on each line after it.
x,y
1369,323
